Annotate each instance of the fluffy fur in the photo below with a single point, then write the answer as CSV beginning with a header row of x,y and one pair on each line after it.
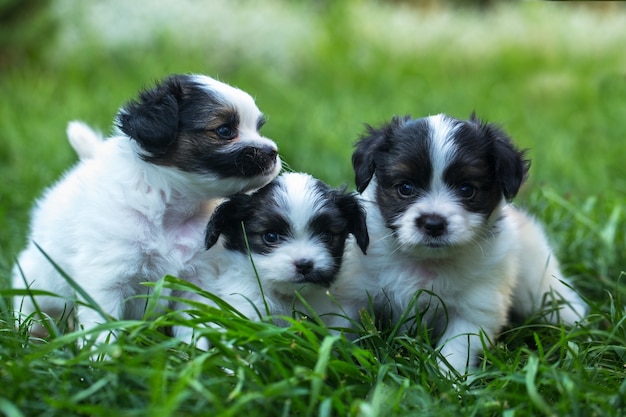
x,y
296,229
437,192
135,207
83,139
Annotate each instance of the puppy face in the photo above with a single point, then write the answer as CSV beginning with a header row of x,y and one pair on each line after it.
x,y
296,228
438,179
204,127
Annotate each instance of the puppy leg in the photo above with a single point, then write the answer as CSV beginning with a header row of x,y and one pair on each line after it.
x,y
188,335
459,345
110,303
201,272
188,332
34,272
482,311
540,279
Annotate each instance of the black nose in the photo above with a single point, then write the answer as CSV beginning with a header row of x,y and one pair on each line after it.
x,y
304,266
254,160
270,152
433,225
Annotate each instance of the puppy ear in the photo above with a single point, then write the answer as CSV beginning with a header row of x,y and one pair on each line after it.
x,y
511,167
363,156
228,214
510,164
372,141
216,224
152,120
353,211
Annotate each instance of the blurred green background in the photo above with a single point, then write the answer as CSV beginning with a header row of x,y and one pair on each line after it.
x,y
552,74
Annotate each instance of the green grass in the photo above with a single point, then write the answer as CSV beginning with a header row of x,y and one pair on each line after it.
x,y
551,74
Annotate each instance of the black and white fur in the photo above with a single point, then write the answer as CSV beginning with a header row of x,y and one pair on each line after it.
x,y
135,207
437,192
296,229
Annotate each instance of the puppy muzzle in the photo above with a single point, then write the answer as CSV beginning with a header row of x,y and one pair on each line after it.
x,y
253,161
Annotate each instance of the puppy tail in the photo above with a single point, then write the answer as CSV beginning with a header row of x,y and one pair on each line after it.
x,y
83,139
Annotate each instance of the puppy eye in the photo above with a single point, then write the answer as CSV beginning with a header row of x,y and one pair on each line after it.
x,y
271,238
467,191
226,132
260,123
327,236
406,189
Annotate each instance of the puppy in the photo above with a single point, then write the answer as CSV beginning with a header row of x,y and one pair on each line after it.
x,y
135,207
295,230
437,192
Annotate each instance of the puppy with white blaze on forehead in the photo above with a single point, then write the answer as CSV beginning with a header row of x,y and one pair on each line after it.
x,y
135,207
295,232
437,192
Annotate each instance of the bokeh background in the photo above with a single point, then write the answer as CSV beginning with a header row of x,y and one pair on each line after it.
x,y
552,74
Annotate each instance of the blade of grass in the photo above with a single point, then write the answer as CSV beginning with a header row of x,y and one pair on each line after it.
x,y
531,369
319,372
90,302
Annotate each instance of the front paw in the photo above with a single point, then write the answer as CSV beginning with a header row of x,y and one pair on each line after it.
x,y
455,357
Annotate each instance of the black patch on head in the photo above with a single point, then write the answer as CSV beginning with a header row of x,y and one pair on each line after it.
x,y
401,157
370,147
487,161
152,120
184,124
352,211
257,212
341,214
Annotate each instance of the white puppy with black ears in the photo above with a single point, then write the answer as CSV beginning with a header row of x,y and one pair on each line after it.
x,y
296,230
135,207
437,192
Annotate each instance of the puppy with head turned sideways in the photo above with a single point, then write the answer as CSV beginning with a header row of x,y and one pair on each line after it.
x,y
285,238
135,206
437,192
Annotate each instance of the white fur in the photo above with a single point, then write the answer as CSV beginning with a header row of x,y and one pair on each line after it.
x,y
231,275
115,221
468,287
443,149
83,139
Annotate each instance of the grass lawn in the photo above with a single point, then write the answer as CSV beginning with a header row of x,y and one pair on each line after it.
x,y
552,74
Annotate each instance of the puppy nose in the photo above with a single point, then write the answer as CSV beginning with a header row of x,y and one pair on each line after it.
x,y
269,151
304,266
433,225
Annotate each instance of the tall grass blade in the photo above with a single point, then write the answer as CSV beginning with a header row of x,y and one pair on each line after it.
x,y
91,303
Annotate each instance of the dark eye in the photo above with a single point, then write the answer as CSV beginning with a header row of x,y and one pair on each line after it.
x,y
226,132
327,236
406,189
467,191
271,238
260,123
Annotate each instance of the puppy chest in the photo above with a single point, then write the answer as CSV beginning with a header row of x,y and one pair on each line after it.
x,y
173,243
422,279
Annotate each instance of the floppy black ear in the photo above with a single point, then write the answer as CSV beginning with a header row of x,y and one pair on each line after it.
x,y
511,167
227,215
152,120
363,156
372,141
510,163
352,210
